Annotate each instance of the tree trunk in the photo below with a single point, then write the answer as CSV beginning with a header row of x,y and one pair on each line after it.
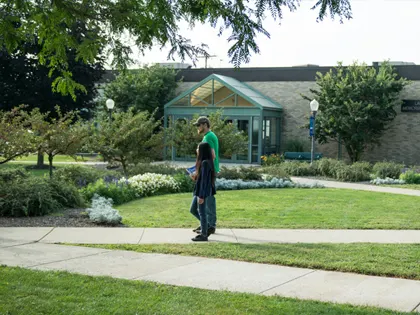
x,y
40,161
124,166
50,160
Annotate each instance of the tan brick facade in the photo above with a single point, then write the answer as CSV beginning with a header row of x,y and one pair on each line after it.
x,y
400,143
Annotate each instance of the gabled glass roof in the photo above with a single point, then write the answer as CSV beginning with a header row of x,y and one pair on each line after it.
x,y
204,94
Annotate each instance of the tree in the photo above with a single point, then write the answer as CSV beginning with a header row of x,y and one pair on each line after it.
x,y
17,137
147,23
356,105
61,135
147,89
129,138
24,81
183,136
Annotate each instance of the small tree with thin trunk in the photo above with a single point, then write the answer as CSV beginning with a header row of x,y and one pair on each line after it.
x,y
129,138
357,103
61,135
17,137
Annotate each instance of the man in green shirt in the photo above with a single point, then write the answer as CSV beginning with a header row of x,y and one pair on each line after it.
x,y
203,127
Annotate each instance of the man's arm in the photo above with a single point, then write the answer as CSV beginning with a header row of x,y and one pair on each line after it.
x,y
213,153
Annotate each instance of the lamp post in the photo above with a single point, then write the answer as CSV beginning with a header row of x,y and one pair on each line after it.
x,y
110,105
314,108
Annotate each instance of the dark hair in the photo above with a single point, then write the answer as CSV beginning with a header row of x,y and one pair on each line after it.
x,y
205,154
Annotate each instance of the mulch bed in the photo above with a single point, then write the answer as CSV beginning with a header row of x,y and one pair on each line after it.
x,y
66,218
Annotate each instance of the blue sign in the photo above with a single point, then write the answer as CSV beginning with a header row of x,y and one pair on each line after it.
x,y
311,126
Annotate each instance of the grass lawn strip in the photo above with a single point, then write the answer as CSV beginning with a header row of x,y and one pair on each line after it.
x,y
406,186
390,260
29,292
282,208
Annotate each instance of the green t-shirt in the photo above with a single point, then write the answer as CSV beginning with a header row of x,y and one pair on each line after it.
x,y
212,140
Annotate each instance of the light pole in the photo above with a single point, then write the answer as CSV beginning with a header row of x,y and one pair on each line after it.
x,y
314,108
110,105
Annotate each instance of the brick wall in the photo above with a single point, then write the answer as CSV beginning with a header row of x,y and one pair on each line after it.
x,y
400,143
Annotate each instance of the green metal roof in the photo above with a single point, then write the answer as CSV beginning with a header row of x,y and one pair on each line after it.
x,y
242,89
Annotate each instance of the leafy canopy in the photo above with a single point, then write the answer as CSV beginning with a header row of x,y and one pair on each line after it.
x,y
147,23
356,104
146,89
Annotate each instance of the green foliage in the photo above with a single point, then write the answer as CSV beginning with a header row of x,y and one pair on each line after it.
x,y
186,184
272,159
387,169
142,168
411,177
16,133
274,171
183,136
356,172
356,103
295,168
31,196
128,138
296,145
119,191
66,194
81,176
12,174
146,89
328,167
244,173
108,22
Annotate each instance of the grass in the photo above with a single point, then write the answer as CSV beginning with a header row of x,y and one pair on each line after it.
x,y
282,208
407,186
29,292
38,173
390,260
58,158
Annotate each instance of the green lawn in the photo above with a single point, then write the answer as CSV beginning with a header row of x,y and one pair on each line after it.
x,y
29,292
283,208
391,260
408,186
39,173
58,158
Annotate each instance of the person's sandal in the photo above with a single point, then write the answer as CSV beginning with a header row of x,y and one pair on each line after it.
x,y
211,230
197,230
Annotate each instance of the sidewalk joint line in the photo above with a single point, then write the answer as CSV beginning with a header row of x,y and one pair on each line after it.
x,y
279,285
415,307
237,241
45,235
58,261
17,245
141,236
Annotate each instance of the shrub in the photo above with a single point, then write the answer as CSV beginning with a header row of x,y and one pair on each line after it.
x,y
101,211
296,145
387,169
234,184
30,196
387,181
410,177
250,173
82,176
274,171
7,175
229,173
152,184
328,167
143,168
272,159
185,183
120,191
294,168
66,194
352,173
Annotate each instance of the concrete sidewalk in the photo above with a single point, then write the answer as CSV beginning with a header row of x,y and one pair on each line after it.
x,y
337,287
358,186
15,236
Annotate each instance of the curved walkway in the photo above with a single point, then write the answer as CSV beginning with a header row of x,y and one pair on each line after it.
x,y
357,186
337,287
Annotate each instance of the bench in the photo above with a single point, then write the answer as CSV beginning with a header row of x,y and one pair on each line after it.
x,y
301,156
